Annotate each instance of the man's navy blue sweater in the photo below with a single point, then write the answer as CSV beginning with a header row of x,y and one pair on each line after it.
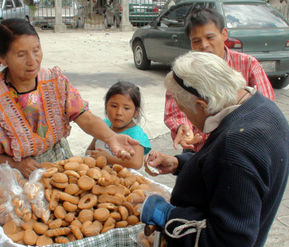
x,y
236,181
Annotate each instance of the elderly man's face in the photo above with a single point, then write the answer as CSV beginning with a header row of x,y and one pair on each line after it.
x,y
208,38
196,115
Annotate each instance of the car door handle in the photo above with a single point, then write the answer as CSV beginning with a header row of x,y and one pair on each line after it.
x,y
175,37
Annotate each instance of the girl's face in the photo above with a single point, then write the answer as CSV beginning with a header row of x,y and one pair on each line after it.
x,y
120,111
24,58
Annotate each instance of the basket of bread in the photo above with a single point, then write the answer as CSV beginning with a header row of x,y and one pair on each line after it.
x,y
80,201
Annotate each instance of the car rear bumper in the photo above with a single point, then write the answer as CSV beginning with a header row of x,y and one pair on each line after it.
x,y
274,63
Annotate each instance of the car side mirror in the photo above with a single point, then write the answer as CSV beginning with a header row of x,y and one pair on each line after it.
x,y
155,23
169,22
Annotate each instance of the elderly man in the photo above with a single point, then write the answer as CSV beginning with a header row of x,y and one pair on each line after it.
x,y
207,33
230,190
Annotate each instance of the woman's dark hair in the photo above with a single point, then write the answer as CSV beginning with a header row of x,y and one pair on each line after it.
x,y
11,29
123,88
200,17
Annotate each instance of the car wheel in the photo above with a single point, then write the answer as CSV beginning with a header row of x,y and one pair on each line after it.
x,y
280,82
105,23
140,56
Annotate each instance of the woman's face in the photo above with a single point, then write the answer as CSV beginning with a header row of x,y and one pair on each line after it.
x,y
24,58
120,110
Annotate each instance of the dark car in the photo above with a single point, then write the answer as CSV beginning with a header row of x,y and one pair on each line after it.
x,y
141,12
254,28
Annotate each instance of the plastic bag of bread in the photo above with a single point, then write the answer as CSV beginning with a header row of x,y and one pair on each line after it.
x,y
21,196
34,193
12,203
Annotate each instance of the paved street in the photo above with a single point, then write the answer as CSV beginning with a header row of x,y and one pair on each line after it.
x,y
93,61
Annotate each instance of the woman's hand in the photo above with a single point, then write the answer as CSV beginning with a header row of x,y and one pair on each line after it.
x,y
96,153
163,163
26,166
121,146
186,138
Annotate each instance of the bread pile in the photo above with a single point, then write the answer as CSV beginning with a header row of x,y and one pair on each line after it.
x,y
86,197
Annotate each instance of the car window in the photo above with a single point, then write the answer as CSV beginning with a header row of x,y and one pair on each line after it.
x,y
252,16
51,3
141,1
176,15
17,3
9,4
179,13
46,4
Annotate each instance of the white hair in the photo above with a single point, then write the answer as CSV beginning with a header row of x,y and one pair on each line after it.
x,y
210,75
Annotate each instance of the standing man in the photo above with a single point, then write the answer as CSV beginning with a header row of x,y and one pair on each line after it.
x,y
207,33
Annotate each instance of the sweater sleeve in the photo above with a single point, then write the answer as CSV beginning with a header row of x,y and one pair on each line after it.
x,y
182,159
233,215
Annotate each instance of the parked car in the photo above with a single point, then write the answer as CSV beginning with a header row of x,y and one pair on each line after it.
x,y
254,28
141,12
72,14
14,9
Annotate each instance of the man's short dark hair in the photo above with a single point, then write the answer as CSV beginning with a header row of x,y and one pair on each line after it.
x,y
200,17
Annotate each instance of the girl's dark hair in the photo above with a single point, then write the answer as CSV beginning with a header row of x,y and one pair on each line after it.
x,y
201,17
11,29
124,87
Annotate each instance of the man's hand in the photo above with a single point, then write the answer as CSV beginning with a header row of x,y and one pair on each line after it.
x,y
186,138
163,163
26,166
121,146
156,211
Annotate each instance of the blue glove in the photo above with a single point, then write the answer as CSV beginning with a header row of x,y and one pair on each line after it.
x,y
156,211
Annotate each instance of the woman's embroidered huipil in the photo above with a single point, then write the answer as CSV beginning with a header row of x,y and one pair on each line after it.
x,y
32,122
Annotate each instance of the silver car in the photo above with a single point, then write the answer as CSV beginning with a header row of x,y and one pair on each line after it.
x,y
72,14
14,9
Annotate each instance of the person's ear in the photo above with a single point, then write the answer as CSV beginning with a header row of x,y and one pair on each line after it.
x,y
3,61
225,34
201,105
136,113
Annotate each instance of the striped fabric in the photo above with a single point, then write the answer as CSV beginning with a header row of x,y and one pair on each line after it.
x,y
118,237
60,151
251,70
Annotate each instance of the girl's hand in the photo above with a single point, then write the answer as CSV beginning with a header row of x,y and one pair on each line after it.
x,y
186,138
121,146
163,163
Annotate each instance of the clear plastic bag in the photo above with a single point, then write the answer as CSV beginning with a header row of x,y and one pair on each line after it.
x,y
148,241
18,195
13,203
34,192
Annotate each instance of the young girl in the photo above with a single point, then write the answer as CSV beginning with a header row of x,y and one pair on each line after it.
x,y
122,107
